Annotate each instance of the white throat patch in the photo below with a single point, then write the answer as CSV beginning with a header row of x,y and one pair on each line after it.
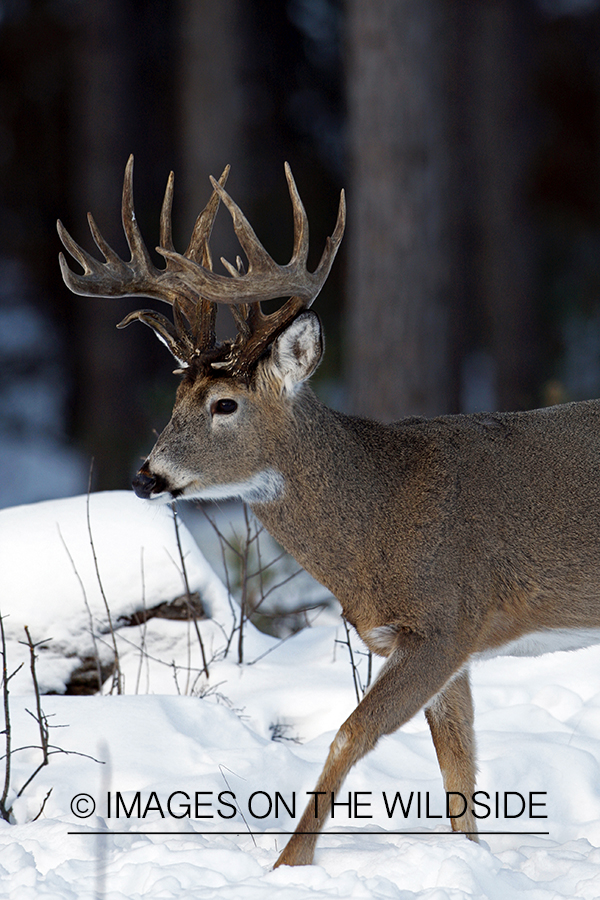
x,y
264,487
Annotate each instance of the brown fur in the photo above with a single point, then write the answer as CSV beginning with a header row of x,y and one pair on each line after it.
x,y
453,536
442,539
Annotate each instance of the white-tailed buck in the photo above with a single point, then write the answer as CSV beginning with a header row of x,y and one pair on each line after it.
x,y
443,539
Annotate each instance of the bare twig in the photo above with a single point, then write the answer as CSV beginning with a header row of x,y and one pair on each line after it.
x,y
39,716
276,587
117,677
7,729
264,567
252,571
41,809
358,686
162,662
221,767
174,668
244,599
144,626
87,606
223,542
355,677
188,593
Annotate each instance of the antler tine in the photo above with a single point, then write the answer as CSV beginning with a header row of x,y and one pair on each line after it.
x,y
199,250
258,330
198,247
300,253
166,230
140,256
79,284
332,243
172,336
258,258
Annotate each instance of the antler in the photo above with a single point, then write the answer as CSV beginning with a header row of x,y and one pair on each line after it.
x,y
193,289
116,278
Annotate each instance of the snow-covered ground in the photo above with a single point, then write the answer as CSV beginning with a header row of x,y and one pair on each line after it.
x,y
260,732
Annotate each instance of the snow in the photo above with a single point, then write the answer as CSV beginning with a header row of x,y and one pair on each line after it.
x,y
174,733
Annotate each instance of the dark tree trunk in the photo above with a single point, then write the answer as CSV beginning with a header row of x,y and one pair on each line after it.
x,y
499,51
108,419
399,240
211,111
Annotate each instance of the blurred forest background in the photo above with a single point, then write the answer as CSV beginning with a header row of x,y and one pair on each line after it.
x,y
466,133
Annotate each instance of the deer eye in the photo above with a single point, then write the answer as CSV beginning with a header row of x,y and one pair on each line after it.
x,y
223,407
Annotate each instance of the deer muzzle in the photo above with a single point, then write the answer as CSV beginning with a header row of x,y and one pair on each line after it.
x,y
145,484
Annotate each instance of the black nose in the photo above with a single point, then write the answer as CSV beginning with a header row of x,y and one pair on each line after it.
x,y
145,484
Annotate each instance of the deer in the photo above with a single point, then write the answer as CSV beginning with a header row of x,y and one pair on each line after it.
x,y
445,539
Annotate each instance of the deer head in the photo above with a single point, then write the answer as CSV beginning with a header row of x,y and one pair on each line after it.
x,y
229,389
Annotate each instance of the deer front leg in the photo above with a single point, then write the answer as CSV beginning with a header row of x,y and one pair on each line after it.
x,y
414,672
450,718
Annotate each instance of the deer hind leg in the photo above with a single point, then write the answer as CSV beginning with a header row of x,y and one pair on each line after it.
x,y
411,676
450,718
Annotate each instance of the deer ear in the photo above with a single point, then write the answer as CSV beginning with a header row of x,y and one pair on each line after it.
x,y
297,351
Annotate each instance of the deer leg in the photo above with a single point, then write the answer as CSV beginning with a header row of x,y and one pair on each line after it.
x,y
450,718
414,672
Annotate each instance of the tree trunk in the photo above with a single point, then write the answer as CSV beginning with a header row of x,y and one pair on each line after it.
x,y
108,419
503,262
211,111
399,236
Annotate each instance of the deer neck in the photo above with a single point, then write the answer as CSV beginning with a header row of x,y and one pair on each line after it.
x,y
328,507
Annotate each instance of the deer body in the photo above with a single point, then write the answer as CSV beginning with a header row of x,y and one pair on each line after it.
x,y
490,521
444,539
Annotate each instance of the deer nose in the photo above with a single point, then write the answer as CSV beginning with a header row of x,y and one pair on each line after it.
x,y
145,484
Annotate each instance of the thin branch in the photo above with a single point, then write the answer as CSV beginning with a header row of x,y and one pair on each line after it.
x,y
162,662
243,555
221,767
269,565
7,726
283,640
87,606
278,585
218,531
188,593
174,668
300,610
117,677
41,718
144,627
41,810
352,663
222,543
